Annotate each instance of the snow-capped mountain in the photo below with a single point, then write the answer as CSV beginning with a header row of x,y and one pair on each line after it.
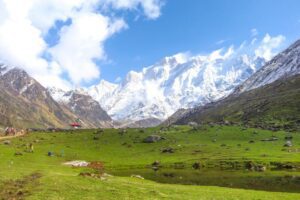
x,y
179,81
83,105
285,64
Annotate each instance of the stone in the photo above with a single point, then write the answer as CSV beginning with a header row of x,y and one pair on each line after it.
x,y
137,176
260,168
196,165
288,144
168,150
7,142
152,139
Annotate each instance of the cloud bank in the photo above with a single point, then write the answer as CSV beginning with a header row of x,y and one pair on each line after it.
x,y
82,29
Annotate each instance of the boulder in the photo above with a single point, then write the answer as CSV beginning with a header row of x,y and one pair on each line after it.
x,y
152,139
137,176
196,165
7,142
260,168
156,163
167,150
288,144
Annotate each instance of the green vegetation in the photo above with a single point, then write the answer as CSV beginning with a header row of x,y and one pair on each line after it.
x,y
222,151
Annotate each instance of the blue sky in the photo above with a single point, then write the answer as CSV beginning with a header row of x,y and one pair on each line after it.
x,y
69,44
197,26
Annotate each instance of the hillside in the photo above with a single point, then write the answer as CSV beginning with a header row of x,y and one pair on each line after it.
x,y
25,103
275,105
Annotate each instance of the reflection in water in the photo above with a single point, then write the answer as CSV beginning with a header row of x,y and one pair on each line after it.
x,y
283,181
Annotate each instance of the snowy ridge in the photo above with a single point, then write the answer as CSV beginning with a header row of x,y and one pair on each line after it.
x,y
285,64
176,82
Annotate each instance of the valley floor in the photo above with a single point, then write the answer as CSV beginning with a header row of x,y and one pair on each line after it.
x,y
223,153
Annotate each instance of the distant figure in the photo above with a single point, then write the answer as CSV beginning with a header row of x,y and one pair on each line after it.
x,y
31,148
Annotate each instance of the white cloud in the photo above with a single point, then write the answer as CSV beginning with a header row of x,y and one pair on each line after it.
x,y
268,45
254,32
24,24
82,42
151,7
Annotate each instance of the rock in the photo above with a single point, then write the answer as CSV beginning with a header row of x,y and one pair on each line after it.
x,y
260,168
168,150
288,144
7,142
251,141
18,154
152,139
250,165
95,138
196,165
214,140
50,153
156,163
77,163
137,176
192,124
270,139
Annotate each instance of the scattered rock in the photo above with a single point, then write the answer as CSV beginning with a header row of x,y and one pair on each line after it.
x,y
77,163
196,165
260,168
137,176
152,139
156,163
96,138
50,153
18,154
168,150
270,139
288,144
7,142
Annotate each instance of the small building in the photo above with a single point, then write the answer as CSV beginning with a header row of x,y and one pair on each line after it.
x,y
75,125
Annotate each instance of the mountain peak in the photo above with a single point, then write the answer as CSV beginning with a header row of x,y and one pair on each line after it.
x,y
285,64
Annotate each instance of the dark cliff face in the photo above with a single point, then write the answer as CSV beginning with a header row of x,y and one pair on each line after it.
x,y
26,103
88,109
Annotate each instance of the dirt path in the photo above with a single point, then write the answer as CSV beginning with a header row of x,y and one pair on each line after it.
x,y
10,137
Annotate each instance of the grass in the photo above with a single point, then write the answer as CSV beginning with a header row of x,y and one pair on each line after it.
x,y
214,147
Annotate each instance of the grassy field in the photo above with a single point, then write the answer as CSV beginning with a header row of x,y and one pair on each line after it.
x,y
222,151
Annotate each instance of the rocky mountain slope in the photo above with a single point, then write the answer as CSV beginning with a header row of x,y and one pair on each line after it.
x,y
285,64
269,98
175,82
84,106
25,103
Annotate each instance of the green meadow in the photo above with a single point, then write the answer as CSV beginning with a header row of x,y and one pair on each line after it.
x,y
232,163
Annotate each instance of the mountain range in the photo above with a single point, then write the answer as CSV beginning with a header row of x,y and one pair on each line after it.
x,y
270,98
182,83
25,103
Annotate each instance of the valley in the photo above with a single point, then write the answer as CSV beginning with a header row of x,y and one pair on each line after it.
x,y
214,159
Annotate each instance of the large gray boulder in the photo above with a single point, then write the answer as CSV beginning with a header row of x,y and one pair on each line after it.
x,y
288,144
152,139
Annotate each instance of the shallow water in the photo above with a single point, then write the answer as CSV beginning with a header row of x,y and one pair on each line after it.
x,y
281,181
